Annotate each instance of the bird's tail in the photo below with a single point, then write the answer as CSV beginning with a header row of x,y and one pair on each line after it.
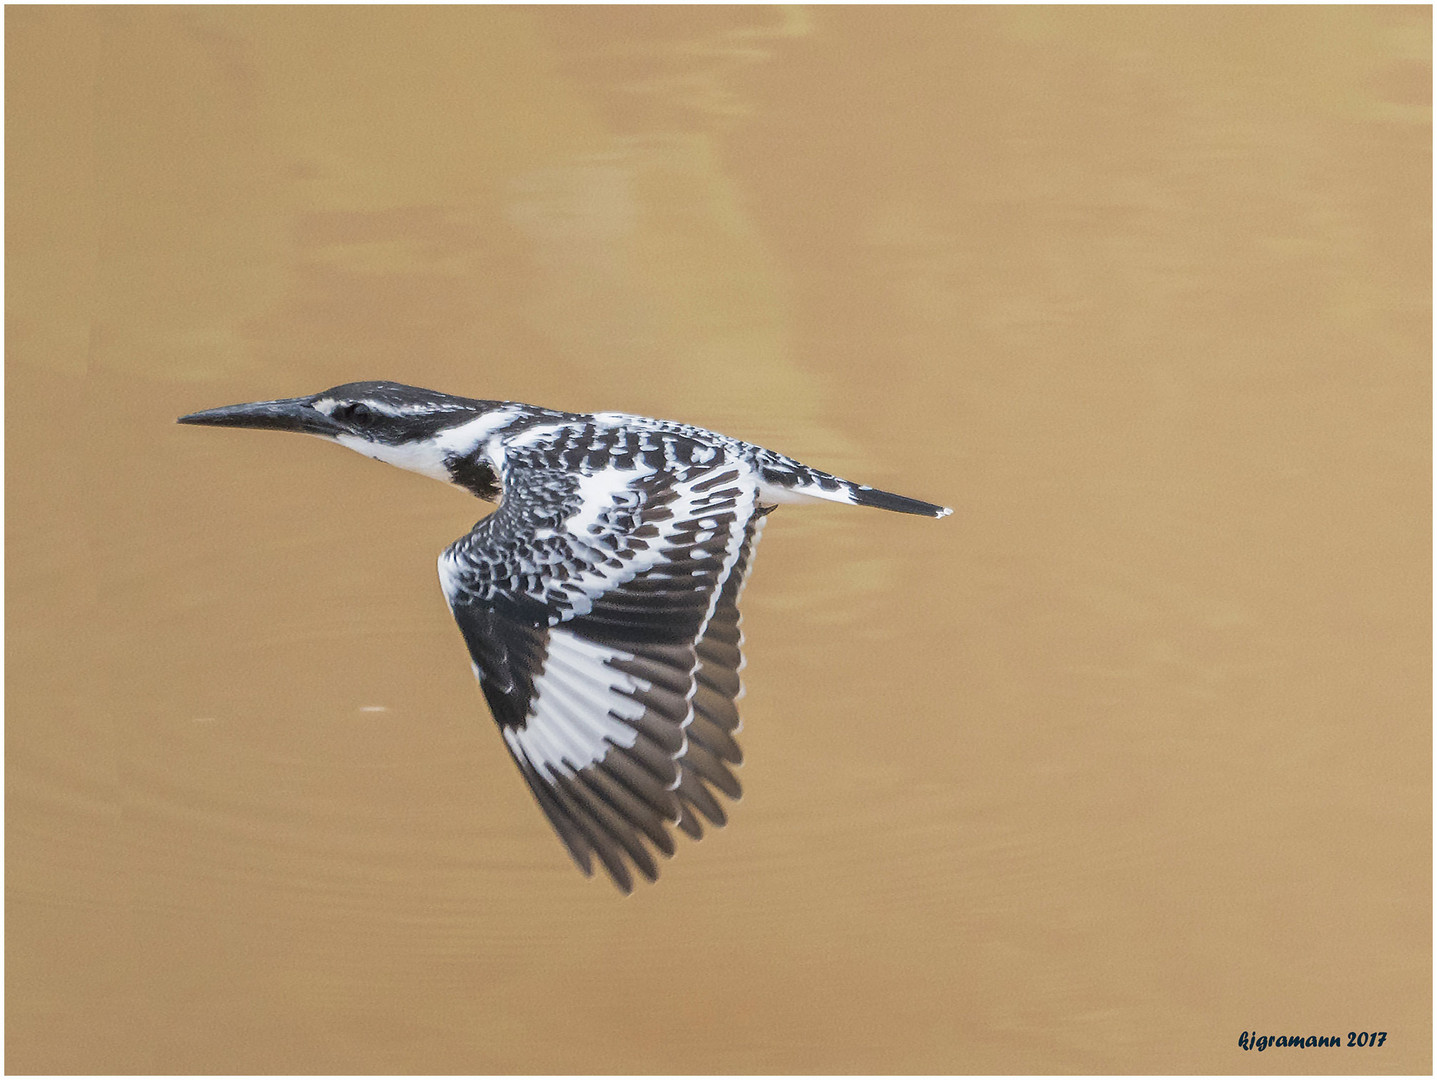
x,y
797,483
862,495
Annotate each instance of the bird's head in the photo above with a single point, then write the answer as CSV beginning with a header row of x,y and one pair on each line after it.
x,y
435,434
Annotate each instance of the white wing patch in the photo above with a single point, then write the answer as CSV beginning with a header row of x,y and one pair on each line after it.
x,y
598,492
580,707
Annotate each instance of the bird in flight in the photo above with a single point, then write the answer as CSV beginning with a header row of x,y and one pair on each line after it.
x,y
599,601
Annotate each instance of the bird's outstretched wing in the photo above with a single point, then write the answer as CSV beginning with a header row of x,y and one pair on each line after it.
x,y
600,610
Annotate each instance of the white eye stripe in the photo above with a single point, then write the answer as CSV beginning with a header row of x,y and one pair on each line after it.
x,y
328,405
465,439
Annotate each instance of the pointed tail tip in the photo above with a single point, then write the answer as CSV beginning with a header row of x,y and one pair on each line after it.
x,y
887,500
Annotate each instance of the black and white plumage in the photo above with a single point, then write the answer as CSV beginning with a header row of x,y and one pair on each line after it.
x,y
599,601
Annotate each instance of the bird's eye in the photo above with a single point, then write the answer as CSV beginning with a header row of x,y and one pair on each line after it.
x,y
355,413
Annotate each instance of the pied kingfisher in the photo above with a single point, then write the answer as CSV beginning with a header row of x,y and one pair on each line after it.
x,y
600,600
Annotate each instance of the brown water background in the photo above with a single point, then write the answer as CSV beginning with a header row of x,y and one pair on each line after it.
x,y
1130,755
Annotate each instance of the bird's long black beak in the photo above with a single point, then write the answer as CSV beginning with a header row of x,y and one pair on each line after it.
x,y
289,414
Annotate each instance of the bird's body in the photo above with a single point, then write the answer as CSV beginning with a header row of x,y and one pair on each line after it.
x,y
599,601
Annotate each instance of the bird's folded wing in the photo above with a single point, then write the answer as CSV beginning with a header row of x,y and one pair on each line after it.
x,y
601,615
